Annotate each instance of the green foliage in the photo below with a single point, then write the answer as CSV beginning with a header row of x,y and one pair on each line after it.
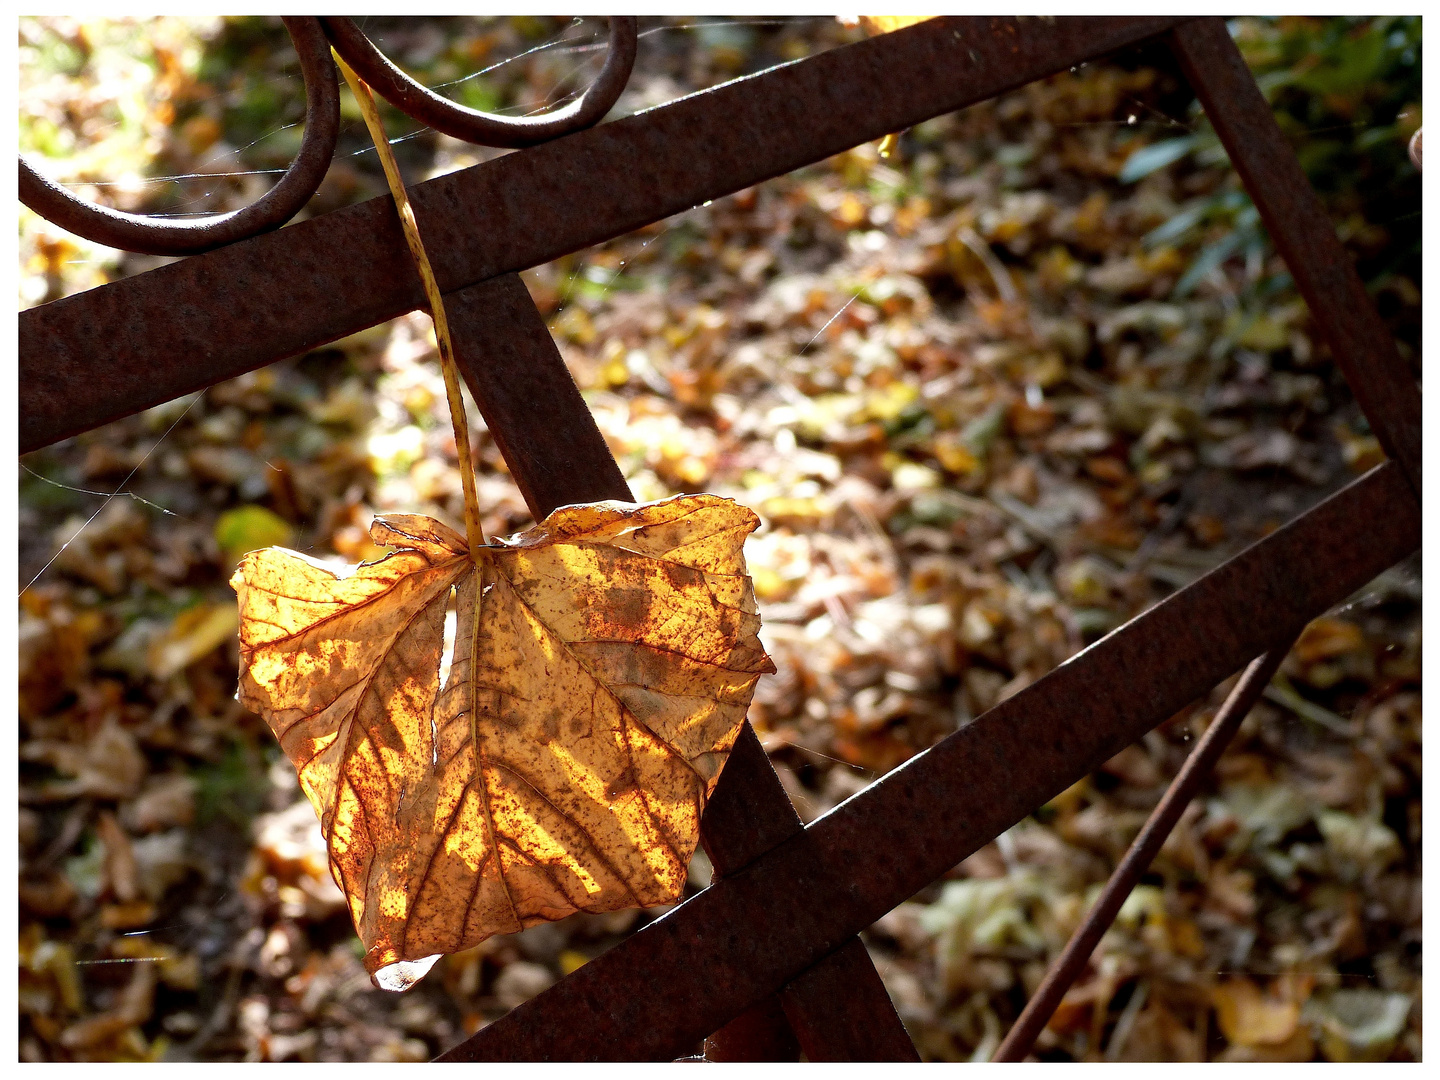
x,y
476,93
1345,93
232,788
251,59
247,528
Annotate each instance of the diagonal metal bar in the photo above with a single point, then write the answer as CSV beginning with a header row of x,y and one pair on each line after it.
x,y
839,1010
840,1026
1073,958
557,455
1303,233
112,351
749,934
760,1033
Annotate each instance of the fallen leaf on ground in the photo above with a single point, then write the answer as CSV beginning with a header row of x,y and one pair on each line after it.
x,y
1361,1024
1249,1018
602,665
193,634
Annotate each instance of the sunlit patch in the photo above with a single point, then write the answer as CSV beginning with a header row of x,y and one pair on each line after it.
x,y
357,906
318,781
543,638
392,903
392,761
267,669
347,816
581,776
466,839
403,974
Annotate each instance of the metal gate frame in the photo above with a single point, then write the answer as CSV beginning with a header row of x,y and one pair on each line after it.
x,y
768,954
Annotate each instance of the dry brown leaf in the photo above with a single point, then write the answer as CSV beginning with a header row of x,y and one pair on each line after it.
x,y
1248,1017
603,662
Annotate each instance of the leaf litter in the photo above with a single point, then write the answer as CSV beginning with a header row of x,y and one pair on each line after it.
x,y
956,492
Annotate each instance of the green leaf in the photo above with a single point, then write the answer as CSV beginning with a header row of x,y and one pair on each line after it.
x,y
981,432
1179,224
1156,156
247,528
1208,259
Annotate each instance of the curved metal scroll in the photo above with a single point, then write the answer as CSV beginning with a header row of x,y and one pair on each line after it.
x,y
156,236
474,126
137,232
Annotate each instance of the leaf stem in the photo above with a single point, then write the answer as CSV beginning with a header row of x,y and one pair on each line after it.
x,y
473,532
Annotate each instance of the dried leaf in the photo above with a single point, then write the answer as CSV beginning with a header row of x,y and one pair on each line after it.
x,y
603,662
133,1006
194,634
119,859
885,24
110,765
1359,1024
1326,638
1249,1018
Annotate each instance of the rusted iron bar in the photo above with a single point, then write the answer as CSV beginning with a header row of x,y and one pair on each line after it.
x,y
111,351
839,1010
1305,236
749,934
557,455
160,236
828,1006
829,1011
760,1033
748,815
1076,954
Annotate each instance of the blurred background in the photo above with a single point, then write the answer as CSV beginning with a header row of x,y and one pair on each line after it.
x,y
993,391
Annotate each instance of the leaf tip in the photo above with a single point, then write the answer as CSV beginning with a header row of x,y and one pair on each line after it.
x,y
403,974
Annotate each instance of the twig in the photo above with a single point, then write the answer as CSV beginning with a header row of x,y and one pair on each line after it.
x,y
1076,954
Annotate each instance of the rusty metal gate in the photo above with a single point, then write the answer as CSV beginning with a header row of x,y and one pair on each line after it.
x,y
767,957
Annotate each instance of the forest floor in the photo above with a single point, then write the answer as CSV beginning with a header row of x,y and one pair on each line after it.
x,y
983,423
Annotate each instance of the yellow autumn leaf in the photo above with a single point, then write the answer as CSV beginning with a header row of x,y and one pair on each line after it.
x,y
1248,1017
602,665
887,24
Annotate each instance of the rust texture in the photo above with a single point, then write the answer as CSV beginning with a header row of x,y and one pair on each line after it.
x,y
112,351
829,1008
474,126
556,456
760,1033
840,1010
555,453
162,236
1076,954
780,923
1303,233
746,936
